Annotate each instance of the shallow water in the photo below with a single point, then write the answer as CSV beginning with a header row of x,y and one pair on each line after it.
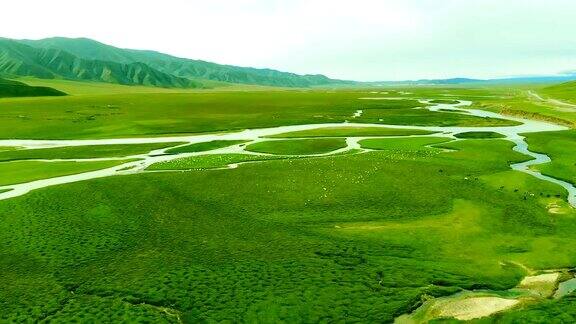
x,y
468,305
512,133
565,288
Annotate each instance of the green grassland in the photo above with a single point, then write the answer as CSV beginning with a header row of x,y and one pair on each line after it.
x,y
444,101
103,88
519,102
523,107
93,88
513,100
565,91
344,238
298,147
148,114
404,145
479,135
352,132
423,117
561,147
210,161
82,152
201,147
360,237
473,151
25,171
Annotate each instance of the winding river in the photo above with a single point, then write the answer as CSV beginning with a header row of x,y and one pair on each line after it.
x,y
512,133
464,305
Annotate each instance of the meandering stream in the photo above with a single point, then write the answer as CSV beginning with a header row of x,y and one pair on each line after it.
x,y
512,133
464,305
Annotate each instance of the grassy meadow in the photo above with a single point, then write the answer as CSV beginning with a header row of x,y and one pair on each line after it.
x,y
352,132
26,171
363,237
82,152
204,146
112,115
479,135
561,147
358,236
210,161
299,146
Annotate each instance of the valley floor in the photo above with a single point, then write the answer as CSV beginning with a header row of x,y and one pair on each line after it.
x,y
366,206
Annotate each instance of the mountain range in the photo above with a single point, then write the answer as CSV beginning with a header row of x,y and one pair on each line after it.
x,y
84,59
88,60
467,81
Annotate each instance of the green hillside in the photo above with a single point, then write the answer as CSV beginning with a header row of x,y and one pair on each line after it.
x,y
185,68
567,86
565,91
9,88
22,60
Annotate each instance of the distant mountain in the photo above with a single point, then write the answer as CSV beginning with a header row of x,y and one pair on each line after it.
x,y
534,79
89,60
9,88
428,82
154,68
465,81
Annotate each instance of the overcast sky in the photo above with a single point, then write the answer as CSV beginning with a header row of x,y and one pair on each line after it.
x,y
356,39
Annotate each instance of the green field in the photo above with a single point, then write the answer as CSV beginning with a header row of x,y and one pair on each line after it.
x,y
299,235
404,145
298,147
276,234
444,101
564,91
201,147
25,171
479,135
210,161
82,152
352,132
521,103
561,147
136,115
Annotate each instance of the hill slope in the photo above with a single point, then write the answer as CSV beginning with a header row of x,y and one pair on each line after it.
x,y
567,86
9,88
22,60
565,91
88,49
